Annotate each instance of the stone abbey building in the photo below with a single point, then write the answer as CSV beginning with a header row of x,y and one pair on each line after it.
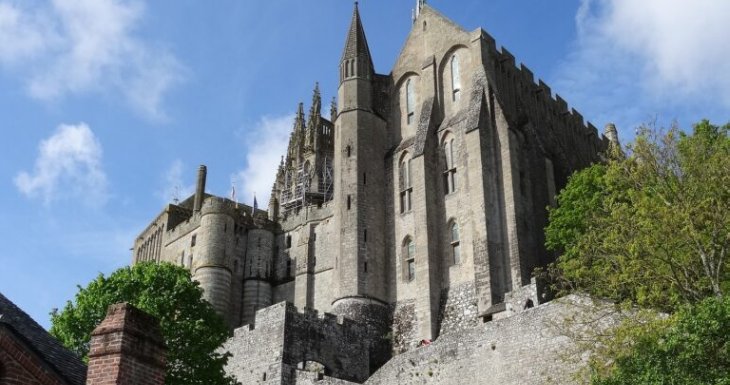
x,y
414,209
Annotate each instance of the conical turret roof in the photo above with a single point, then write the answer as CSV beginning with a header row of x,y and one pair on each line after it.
x,y
357,45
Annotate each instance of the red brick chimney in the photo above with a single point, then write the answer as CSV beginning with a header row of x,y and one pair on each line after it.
x,y
126,348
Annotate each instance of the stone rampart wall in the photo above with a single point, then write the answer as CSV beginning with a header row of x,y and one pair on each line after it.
x,y
528,348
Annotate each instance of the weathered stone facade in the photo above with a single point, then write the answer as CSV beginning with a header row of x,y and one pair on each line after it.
x,y
415,210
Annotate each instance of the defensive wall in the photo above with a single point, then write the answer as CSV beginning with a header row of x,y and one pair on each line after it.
x,y
283,343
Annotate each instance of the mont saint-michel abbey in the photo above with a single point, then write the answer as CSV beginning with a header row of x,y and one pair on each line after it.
x,y
411,209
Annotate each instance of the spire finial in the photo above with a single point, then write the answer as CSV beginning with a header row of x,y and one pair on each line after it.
x,y
356,59
417,11
316,99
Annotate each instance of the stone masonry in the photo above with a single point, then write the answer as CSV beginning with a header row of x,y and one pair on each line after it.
x,y
414,210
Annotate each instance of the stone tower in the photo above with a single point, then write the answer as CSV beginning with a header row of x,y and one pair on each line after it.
x,y
359,176
414,210
210,266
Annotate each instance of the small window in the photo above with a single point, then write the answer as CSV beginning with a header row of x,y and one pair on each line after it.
x,y
365,267
364,178
365,235
409,259
410,101
193,240
405,185
455,248
349,202
348,151
455,78
288,241
450,166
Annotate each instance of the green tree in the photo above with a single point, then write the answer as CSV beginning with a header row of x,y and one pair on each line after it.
x,y
191,328
692,347
650,227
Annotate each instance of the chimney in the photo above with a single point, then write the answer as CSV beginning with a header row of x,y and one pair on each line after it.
x,y
126,348
200,188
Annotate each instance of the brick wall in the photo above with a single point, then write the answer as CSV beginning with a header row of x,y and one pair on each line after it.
x,y
20,366
126,348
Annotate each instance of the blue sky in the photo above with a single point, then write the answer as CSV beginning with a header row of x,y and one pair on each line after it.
x,y
108,106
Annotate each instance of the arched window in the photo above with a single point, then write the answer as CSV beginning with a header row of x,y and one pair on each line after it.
x,y
455,78
409,259
455,249
410,101
450,165
406,188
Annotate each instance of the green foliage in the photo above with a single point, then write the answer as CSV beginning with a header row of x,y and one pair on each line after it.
x,y
191,328
692,347
651,227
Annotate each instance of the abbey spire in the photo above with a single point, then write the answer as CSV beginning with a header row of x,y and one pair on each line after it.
x,y
356,60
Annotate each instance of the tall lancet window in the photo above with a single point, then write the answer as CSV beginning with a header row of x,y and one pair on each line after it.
x,y
455,249
406,188
409,259
410,101
455,78
450,169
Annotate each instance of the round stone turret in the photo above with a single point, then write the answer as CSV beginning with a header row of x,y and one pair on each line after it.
x,y
214,252
257,273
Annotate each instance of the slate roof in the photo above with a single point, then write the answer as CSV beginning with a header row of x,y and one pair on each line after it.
x,y
357,45
65,363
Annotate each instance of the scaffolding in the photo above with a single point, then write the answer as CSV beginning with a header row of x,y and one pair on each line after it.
x,y
298,191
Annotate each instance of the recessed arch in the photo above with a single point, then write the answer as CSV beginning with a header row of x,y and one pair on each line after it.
x,y
450,52
452,88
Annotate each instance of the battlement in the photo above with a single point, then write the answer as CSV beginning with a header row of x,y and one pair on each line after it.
x,y
529,97
284,312
307,214
525,80
339,344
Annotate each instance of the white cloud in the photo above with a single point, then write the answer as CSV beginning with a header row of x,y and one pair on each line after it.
x,y
175,185
652,55
68,165
79,46
24,35
267,142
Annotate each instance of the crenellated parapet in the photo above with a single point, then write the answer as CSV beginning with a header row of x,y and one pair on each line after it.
x,y
562,129
305,339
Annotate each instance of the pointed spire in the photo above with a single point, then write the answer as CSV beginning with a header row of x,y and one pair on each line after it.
x,y
333,110
356,47
299,120
316,108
